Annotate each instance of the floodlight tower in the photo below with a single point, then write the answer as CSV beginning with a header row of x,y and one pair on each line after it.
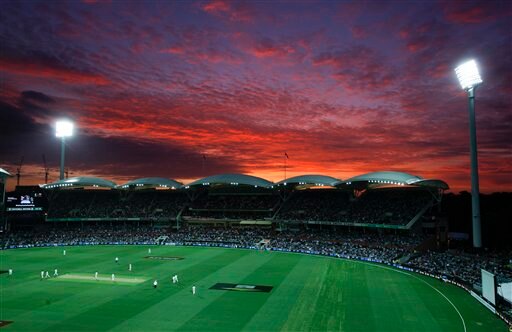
x,y
469,79
63,129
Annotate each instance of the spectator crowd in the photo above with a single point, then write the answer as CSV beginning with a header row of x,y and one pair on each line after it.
x,y
373,246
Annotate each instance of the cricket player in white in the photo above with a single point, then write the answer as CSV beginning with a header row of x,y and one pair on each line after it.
x,y
64,252
42,274
113,277
117,259
10,272
193,290
96,275
55,273
47,274
130,267
155,283
149,251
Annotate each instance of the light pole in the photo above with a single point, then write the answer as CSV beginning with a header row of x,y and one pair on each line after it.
x,y
469,79
63,129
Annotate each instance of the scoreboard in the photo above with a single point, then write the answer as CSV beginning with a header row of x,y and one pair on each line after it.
x,y
25,201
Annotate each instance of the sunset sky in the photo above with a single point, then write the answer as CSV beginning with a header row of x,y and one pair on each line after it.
x,y
342,87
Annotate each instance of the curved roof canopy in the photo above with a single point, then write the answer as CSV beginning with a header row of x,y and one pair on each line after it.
x,y
231,179
311,180
152,183
81,181
3,172
389,178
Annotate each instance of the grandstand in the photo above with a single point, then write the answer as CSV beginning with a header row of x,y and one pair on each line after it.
x,y
380,199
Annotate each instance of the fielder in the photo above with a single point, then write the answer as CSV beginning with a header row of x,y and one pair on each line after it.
x,y
55,273
130,267
10,272
42,274
113,277
64,252
47,274
155,284
193,290
117,259
96,276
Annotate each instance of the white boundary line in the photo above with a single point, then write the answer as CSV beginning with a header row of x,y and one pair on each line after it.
x,y
386,268
371,264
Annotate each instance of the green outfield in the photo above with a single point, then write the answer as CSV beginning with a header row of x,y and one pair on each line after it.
x,y
236,290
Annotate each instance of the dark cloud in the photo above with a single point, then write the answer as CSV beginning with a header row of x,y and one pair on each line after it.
x,y
37,97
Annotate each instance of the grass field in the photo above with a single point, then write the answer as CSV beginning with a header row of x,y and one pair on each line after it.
x,y
309,293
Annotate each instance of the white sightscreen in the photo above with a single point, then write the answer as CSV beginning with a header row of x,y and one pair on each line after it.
x,y
488,286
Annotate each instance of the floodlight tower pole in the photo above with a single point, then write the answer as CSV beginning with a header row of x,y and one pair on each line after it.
x,y
475,187
62,157
469,79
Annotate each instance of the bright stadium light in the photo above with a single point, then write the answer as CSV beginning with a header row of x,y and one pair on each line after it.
x,y
469,79
63,129
468,75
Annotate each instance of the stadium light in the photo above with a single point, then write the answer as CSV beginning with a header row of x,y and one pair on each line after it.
x,y
63,129
468,75
469,79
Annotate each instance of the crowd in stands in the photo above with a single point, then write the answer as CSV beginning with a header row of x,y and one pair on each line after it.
x,y
236,202
233,206
461,265
384,206
308,205
146,205
92,234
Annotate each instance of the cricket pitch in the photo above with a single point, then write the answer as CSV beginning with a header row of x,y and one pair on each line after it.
x,y
101,278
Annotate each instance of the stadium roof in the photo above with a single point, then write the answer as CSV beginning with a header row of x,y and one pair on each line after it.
x,y
231,179
3,172
389,178
152,183
82,181
311,180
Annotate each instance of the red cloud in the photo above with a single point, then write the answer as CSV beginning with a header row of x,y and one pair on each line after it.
x,y
481,11
217,6
269,48
234,11
175,49
50,71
